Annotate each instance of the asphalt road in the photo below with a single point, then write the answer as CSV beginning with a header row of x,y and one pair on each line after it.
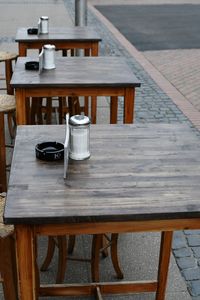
x,y
157,27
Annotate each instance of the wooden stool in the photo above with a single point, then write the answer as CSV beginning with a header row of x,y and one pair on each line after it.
x,y
7,258
8,58
7,106
100,243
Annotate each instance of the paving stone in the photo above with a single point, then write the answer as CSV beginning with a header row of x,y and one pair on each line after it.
x,y
191,274
196,251
194,288
193,240
183,252
186,262
179,241
192,232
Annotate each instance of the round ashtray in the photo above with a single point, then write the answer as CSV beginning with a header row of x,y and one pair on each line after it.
x,y
32,30
32,65
49,151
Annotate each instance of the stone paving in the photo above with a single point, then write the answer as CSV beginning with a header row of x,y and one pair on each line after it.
x,y
182,68
153,105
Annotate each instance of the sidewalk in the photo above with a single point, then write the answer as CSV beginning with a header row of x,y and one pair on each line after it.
x,y
138,252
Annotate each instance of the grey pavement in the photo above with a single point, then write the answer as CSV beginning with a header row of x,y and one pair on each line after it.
x,y
138,252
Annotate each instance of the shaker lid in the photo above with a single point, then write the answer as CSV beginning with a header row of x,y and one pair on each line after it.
x,y
79,120
49,47
44,18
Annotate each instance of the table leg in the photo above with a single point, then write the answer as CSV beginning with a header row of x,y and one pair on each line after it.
x,y
22,50
113,109
95,49
20,107
165,251
129,98
26,260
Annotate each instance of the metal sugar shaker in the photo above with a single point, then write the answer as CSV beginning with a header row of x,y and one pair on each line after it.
x,y
44,24
79,145
49,57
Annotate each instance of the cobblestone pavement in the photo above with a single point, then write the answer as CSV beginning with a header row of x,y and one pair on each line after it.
x,y
153,105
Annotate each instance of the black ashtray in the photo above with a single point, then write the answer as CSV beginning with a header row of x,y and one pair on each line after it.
x,y
32,65
32,30
49,151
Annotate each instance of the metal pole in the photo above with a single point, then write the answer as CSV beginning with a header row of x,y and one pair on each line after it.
x,y
80,12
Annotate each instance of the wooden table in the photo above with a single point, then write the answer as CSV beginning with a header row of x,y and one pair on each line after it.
x,y
138,178
62,37
77,76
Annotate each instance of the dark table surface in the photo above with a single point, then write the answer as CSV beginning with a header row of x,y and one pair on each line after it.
x,y
75,33
77,72
135,172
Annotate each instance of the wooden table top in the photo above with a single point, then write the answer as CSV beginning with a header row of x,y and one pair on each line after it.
x,y
135,172
76,33
77,72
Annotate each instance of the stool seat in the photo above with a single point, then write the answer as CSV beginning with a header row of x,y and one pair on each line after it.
x,y
7,103
4,55
5,230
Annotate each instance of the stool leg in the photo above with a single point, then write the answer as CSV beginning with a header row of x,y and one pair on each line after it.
x,y
50,252
114,256
71,244
8,72
3,179
62,258
93,110
98,294
48,110
96,246
11,124
113,109
8,267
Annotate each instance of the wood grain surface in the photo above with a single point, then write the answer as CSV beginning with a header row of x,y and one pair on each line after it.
x,y
75,33
77,72
135,172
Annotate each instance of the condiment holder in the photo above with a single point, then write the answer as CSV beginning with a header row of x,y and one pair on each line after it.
x,y
43,25
49,57
77,139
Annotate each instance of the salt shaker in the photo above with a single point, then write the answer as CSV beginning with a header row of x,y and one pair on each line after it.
x,y
79,145
49,57
44,25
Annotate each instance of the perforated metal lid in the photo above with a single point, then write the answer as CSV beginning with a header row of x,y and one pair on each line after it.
x,y
49,47
78,120
44,18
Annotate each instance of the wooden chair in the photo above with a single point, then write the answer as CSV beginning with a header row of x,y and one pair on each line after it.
x,y
7,106
8,273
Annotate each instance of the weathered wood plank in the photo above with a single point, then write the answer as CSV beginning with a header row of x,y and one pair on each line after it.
x,y
75,33
71,71
134,172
